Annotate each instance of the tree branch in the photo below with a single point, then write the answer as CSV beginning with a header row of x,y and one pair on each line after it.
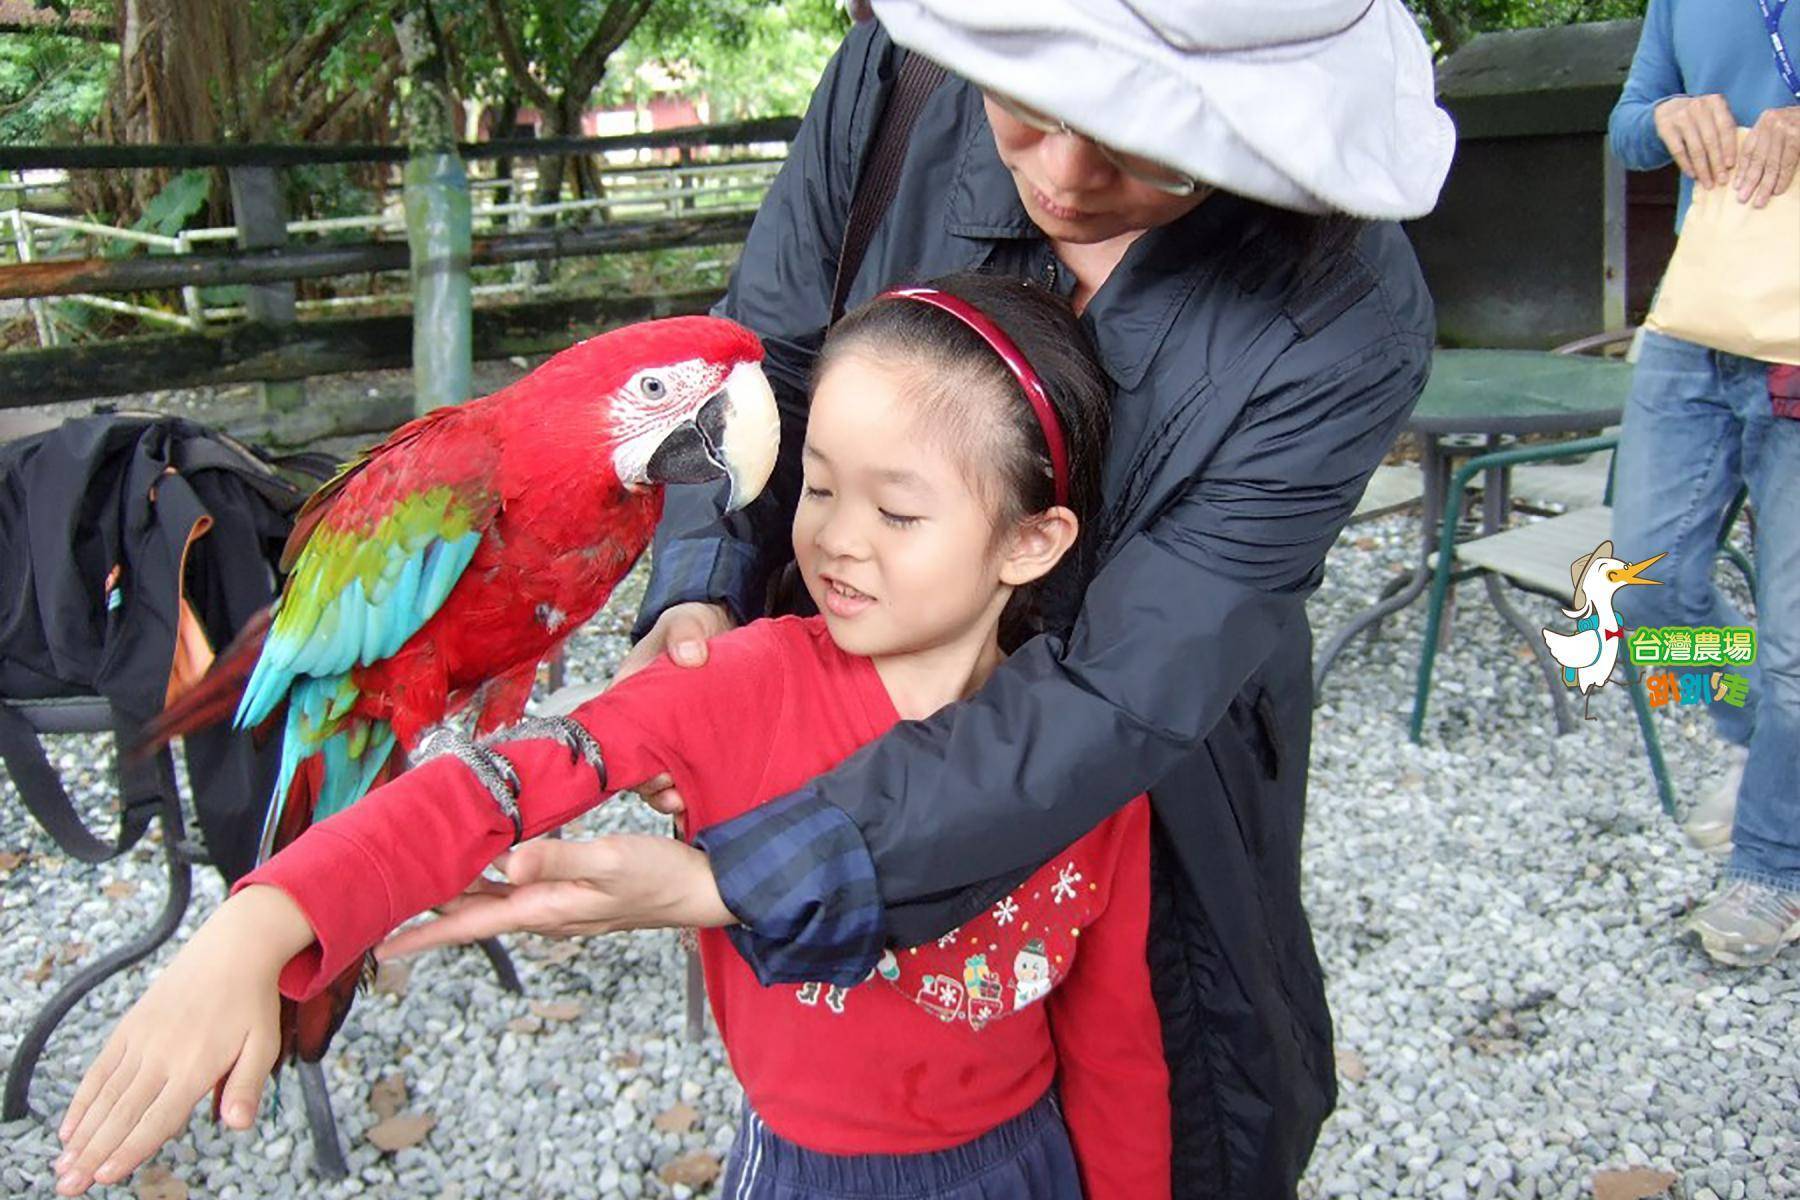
x,y
300,59
1449,31
86,33
610,32
325,109
514,58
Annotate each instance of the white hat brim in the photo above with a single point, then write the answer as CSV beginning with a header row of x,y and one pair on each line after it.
x,y
1347,122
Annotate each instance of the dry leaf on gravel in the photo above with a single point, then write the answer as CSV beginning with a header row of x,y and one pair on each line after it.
x,y
119,889
557,1010
696,1170
72,951
157,1182
553,952
525,1025
1350,1066
626,1060
397,1133
1638,1183
678,1119
391,978
42,971
388,1097
10,860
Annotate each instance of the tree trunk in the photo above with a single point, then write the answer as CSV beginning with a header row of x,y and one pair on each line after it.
x,y
506,116
1446,27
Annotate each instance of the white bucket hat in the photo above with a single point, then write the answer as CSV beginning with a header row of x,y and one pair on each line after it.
x,y
1316,105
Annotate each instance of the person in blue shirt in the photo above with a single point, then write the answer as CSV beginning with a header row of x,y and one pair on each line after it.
x,y
1700,425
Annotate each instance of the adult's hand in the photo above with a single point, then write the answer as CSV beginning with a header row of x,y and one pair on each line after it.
x,y
682,632
1770,156
1701,133
572,889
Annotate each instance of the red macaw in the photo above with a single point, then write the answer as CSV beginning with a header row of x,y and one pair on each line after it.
x,y
445,564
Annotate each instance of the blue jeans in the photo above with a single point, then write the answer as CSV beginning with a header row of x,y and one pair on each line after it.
x,y
1698,427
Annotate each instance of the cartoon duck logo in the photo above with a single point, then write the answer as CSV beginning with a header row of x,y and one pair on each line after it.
x,y
1590,653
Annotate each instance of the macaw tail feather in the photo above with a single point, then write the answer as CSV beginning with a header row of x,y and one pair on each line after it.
x,y
341,754
307,1026
215,697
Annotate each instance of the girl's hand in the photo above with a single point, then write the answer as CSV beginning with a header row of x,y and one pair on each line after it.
x,y
1771,155
1701,135
683,631
211,1013
568,889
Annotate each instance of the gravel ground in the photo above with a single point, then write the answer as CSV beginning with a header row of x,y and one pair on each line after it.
x,y
1496,911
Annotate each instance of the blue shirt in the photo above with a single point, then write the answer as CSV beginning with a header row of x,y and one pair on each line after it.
x,y
1696,48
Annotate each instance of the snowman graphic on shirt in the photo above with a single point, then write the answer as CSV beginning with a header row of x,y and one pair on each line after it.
x,y
1031,974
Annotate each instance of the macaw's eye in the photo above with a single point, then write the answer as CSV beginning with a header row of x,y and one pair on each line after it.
x,y
652,387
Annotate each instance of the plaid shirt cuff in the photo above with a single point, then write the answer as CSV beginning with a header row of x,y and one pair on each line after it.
x,y
717,570
798,875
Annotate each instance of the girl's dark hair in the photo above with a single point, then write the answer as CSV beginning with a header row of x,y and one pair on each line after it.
x,y
953,366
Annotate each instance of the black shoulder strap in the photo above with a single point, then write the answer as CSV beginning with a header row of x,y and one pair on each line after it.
x,y
1324,298
880,178
45,798
218,453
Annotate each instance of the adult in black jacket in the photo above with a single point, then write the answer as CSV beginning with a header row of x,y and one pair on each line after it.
x,y
1265,350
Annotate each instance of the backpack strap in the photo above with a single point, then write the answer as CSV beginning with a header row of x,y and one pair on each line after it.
x,y
191,454
880,178
47,800
1322,299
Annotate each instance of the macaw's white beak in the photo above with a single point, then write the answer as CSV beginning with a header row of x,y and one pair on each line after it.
x,y
751,433
735,434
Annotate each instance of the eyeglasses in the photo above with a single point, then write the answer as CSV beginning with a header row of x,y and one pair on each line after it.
x,y
1144,170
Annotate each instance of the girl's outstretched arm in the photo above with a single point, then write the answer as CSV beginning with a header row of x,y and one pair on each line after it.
x,y
210,1015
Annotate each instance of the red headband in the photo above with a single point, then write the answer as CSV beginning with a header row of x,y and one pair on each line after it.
x,y
1015,362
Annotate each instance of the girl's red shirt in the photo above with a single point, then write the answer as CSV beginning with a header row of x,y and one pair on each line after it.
x,y
943,1043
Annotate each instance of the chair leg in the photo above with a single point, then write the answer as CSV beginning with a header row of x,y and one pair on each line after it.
x,y
1551,670
328,1154
1399,592
181,886
502,962
1428,648
1659,769
1741,561
696,998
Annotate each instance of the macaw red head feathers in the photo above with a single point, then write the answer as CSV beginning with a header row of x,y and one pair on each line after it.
x,y
684,401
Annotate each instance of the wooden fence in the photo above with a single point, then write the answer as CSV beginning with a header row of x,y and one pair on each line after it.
x,y
274,346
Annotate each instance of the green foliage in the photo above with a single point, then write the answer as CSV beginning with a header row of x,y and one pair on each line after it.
x,y
51,87
176,203
1482,15
750,60
1450,23
320,191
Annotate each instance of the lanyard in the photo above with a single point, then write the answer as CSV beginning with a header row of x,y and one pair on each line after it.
x,y
1771,15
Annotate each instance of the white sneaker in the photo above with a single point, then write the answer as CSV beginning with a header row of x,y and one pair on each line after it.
x,y
1709,823
1747,924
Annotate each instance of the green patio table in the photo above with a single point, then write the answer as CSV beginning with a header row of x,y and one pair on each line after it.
x,y
1475,400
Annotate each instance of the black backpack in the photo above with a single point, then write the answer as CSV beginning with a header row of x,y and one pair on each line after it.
x,y
106,524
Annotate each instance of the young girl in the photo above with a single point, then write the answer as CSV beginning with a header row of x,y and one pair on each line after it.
x,y
952,452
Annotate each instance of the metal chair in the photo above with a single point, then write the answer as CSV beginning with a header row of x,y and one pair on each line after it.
x,y
1536,558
